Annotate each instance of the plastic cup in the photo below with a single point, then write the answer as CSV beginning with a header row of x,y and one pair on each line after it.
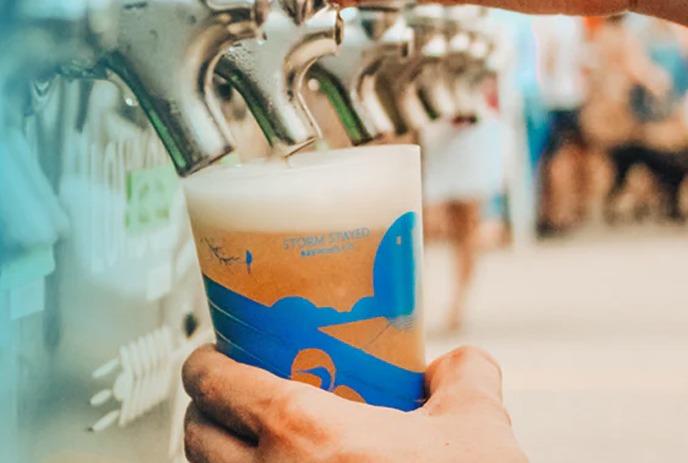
x,y
312,268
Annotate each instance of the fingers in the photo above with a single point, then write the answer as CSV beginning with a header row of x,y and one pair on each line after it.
x,y
348,3
205,442
236,396
465,377
571,7
577,7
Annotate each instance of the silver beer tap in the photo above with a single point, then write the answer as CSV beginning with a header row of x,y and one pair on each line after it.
x,y
433,86
101,172
375,34
166,52
268,71
469,52
416,88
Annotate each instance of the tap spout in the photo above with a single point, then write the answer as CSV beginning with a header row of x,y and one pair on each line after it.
x,y
414,88
375,34
433,88
469,51
268,71
166,52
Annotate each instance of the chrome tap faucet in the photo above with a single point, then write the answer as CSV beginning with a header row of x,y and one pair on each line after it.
x,y
375,34
268,70
429,23
469,52
416,89
166,52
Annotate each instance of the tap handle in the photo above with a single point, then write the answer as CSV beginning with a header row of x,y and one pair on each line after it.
x,y
166,53
269,71
375,35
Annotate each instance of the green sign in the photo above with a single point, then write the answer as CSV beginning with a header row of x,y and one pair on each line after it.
x,y
150,193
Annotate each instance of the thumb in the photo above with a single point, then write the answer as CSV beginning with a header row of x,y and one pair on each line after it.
x,y
465,378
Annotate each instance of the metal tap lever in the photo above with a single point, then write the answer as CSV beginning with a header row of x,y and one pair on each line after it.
x,y
268,71
166,52
374,35
428,23
414,89
469,53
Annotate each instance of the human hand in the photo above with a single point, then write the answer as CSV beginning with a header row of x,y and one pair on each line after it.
x,y
244,414
577,7
672,10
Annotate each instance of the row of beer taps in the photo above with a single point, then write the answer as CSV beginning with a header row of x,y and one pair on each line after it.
x,y
387,67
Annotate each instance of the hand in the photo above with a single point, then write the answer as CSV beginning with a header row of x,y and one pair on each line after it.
x,y
245,415
668,9
576,7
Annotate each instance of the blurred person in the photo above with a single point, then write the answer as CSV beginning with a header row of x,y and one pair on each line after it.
x,y
666,47
561,44
668,52
463,170
244,414
512,214
662,152
633,115
681,34
592,25
622,81
659,187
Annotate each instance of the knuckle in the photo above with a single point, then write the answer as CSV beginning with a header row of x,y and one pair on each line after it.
x,y
286,407
293,425
191,454
187,371
451,361
190,436
204,387
192,439
193,367
467,354
456,357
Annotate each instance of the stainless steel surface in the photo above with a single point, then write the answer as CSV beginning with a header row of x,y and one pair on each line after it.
x,y
269,70
416,89
428,22
100,294
165,52
374,35
467,63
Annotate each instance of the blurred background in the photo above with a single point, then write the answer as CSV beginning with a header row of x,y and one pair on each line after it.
x,y
585,305
555,205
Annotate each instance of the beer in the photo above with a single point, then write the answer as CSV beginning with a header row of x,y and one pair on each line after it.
x,y
312,268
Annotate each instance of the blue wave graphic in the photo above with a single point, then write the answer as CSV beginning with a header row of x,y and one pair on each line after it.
x,y
272,337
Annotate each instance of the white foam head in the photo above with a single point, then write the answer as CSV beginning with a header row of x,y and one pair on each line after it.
x,y
358,187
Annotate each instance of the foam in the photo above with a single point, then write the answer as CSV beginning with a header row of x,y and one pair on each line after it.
x,y
358,187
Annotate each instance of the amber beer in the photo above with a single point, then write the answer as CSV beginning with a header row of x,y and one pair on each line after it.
x,y
312,268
